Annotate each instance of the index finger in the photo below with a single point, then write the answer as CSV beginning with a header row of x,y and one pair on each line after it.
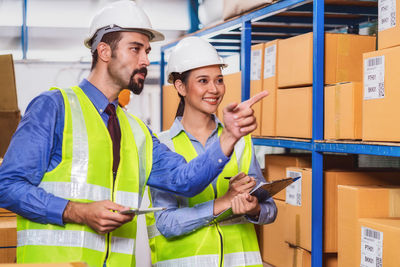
x,y
256,98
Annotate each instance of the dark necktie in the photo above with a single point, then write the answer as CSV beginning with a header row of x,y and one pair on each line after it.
x,y
115,133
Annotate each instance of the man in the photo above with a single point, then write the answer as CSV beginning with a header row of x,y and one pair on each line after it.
x,y
69,177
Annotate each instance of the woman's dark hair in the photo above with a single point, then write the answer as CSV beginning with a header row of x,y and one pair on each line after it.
x,y
183,77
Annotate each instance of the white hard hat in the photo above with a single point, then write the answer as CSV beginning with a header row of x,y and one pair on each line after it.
x,y
120,16
191,53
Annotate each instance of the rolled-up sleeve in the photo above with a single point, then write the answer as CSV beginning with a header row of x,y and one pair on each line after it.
x,y
176,221
27,160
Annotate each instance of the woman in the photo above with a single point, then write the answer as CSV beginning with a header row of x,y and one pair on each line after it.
x,y
201,231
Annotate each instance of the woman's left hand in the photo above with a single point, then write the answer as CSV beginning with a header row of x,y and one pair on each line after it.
x,y
245,204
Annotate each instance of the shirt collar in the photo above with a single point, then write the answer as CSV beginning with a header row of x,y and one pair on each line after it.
x,y
98,99
177,127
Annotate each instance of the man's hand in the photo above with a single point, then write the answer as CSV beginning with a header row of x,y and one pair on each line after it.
x,y
245,204
240,183
97,215
239,121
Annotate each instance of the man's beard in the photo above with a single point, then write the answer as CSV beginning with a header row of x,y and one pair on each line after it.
x,y
137,87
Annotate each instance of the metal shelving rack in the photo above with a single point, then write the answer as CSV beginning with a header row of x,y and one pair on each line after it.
x,y
285,19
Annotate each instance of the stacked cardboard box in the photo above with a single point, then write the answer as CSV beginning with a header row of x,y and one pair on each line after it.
x,y
356,202
170,105
343,61
380,95
270,75
8,234
343,111
9,112
256,80
233,92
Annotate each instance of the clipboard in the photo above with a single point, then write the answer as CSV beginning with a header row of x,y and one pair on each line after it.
x,y
142,211
275,186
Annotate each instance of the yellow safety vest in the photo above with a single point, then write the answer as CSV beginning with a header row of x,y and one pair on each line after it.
x,y
85,175
222,242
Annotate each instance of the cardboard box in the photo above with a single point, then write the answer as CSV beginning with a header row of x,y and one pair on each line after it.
x,y
294,112
302,258
233,8
381,95
343,110
298,196
388,23
8,240
170,105
276,164
356,202
8,124
274,249
233,91
378,242
8,96
343,58
270,77
256,81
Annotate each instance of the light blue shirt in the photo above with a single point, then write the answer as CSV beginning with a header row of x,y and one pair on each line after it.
x,y
175,221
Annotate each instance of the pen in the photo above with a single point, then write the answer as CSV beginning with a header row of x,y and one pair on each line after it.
x,y
227,178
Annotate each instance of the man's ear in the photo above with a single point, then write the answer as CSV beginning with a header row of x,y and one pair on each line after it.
x,y
180,87
104,51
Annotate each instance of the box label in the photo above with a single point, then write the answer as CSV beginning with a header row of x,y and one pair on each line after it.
x,y
371,247
386,14
255,65
270,61
374,77
293,191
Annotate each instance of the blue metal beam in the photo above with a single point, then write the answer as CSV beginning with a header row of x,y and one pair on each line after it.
x,y
193,6
318,133
358,148
24,30
162,80
304,145
245,58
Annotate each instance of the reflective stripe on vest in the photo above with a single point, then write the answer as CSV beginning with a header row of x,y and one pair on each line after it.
x,y
231,259
202,246
85,175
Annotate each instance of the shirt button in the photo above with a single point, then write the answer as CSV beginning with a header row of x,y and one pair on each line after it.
x,y
219,160
101,110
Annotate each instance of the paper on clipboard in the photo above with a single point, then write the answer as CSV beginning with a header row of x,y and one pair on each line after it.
x,y
275,186
141,211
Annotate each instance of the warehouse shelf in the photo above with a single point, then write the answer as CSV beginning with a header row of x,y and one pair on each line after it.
x,y
285,19
353,147
303,144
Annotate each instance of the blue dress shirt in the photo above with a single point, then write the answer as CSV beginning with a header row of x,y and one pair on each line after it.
x,y
36,148
176,220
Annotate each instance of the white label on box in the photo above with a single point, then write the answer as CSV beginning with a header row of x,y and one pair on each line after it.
x,y
255,65
371,247
374,77
386,14
293,191
270,61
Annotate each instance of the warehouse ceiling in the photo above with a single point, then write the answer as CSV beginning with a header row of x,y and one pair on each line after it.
x,y
56,28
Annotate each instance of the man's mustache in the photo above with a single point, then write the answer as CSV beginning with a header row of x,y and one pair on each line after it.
x,y
141,70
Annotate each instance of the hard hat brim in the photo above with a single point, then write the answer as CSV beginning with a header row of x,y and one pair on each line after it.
x,y
156,35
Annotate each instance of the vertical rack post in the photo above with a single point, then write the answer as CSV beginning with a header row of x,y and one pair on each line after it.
x,y
245,56
317,132
162,78
24,30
